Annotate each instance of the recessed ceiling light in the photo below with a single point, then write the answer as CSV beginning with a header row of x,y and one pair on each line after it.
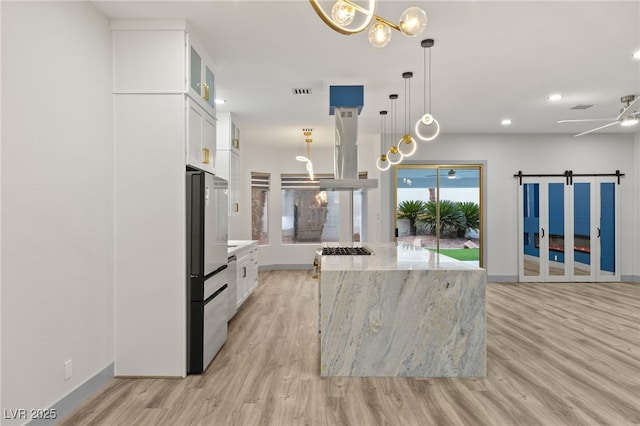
x,y
636,54
555,97
506,122
220,101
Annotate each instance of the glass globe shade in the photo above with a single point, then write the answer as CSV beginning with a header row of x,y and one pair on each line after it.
x,y
342,13
427,128
379,35
394,156
413,21
407,146
382,163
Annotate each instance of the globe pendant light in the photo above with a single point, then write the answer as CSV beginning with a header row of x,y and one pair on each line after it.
x,y
413,21
379,34
348,17
342,13
382,163
427,127
407,146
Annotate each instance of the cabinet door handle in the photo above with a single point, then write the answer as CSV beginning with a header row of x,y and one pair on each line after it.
x,y
244,272
236,207
542,236
598,232
205,156
204,93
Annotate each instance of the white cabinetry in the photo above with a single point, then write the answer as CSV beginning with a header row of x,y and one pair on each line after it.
x,y
201,137
201,77
228,158
246,271
159,129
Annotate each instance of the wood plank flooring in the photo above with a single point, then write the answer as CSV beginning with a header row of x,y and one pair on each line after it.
x,y
558,354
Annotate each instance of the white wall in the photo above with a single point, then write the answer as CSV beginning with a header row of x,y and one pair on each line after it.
x,y
258,159
504,156
57,199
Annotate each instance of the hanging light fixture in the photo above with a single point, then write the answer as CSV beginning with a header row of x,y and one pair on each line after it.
x,y
407,146
427,120
394,155
307,159
412,21
383,163
451,174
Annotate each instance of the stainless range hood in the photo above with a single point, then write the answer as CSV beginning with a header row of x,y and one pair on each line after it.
x,y
345,155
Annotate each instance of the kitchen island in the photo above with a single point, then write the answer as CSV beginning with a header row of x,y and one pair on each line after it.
x,y
401,311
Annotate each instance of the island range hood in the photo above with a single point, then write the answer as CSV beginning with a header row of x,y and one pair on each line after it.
x,y
345,104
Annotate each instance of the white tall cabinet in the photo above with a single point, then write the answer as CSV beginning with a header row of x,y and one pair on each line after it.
x,y
228,158
164,120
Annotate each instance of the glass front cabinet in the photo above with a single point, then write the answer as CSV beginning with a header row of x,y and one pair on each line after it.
x,y
201,76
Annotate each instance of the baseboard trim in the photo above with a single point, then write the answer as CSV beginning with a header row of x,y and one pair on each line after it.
x,y
73,399
278,267
502,278
630,278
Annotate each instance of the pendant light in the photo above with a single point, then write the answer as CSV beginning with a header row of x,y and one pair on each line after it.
x,y
394,155
348,17
407,146
427,127
307,159
383,162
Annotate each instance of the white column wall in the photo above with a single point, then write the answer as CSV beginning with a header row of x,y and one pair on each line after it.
x,y
57,200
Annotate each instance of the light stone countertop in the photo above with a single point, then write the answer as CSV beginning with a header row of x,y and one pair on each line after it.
x,y
237,246
392,257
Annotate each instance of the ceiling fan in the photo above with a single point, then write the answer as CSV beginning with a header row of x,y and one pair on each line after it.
x,y
629,115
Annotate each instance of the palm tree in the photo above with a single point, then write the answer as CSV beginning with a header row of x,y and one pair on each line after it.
x,y
471,213
451,218
410,210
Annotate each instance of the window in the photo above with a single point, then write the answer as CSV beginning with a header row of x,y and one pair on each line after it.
x,y
259,207
440,207
308,214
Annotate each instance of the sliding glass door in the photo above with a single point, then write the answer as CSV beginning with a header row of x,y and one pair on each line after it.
x,y
543,241
440,207
567,231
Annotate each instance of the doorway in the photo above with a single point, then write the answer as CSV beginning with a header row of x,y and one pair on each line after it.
x,y
439,207
568,231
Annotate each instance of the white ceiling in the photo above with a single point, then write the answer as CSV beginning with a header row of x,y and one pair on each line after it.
x,y
491,60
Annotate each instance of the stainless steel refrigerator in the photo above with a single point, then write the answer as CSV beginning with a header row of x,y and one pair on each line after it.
x,y
207,280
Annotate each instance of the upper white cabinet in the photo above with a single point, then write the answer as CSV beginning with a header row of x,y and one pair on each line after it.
x,y
201,137
201,76
148,60
228,158
165,57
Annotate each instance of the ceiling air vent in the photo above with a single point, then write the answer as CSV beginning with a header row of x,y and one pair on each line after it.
x,y
581,107
299,91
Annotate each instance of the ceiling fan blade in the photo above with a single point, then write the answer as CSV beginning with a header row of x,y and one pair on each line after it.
x,y
597,128
586,120
630,110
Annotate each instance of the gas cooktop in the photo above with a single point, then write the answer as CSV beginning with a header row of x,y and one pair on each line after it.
x,y
345,251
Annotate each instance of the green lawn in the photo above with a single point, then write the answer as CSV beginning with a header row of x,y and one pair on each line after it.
x,y
461,254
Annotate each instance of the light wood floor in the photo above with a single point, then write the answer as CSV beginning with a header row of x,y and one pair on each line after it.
x,y
558,354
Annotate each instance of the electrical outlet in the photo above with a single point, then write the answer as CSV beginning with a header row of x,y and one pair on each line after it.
x,y
68,372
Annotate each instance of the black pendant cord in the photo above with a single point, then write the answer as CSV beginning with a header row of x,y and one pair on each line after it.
x,y
424,69
569,175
